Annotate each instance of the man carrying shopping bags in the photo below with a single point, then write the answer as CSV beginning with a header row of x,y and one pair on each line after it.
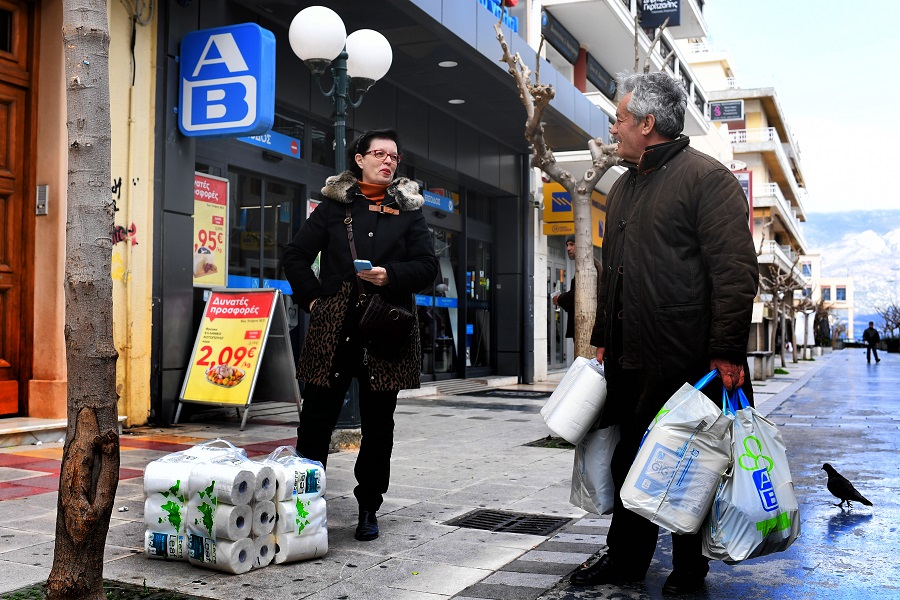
x,y
675,301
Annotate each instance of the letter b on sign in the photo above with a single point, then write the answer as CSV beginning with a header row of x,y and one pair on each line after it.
x,y
765,489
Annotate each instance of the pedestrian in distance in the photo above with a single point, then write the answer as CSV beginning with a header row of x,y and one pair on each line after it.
x,y
383,213
566,300
871,339
679,277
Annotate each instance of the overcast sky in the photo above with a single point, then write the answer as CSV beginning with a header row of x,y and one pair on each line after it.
x,y
834,67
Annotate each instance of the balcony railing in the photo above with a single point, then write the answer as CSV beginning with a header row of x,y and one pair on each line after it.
x,y
743,136
786,259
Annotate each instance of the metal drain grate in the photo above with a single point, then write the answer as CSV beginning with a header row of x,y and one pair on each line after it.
x,y
509,522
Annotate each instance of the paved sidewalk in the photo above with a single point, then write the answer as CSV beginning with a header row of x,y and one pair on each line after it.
x,y
455,454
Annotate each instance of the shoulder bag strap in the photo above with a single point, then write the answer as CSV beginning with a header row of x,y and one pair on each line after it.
x,y
348,221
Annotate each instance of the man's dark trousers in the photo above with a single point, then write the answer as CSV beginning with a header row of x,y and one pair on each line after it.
x,y
872,349
321,409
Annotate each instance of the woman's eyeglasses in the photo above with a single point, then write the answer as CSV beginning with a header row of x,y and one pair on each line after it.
x,y
382,155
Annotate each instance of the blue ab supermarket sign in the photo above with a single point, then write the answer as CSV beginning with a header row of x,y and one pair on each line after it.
x,y
227,81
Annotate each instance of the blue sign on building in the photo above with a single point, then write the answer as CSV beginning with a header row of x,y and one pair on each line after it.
x,y
227,81
437,201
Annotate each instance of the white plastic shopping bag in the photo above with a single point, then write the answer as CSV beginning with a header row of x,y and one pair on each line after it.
x,y
682,457
577,401
755,511
592,484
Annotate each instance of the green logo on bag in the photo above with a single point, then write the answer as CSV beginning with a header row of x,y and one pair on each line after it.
x,y
751,459
779,523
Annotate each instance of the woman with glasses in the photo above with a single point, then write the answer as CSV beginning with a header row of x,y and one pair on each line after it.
x,y
383,214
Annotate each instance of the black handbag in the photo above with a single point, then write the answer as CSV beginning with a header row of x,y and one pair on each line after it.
x,y
387,327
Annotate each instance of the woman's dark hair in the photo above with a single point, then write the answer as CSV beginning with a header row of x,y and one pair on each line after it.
x,y
361,145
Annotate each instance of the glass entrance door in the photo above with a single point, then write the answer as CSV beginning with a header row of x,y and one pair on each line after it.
x,y
438,309
556,317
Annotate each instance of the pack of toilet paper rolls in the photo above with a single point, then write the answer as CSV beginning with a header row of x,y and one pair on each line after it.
x,y
301,517
577,401
217,520
295,475
201,500
228,556
290,547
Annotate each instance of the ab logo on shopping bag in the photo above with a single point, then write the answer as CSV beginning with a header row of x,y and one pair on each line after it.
x,y
765,489
759,464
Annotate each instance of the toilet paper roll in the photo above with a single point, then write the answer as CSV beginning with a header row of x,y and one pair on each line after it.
x,y
222,555
266,481
298,477
301,517
218,521
227,483
291,548
167,477
164,545
264,516
265,550
164,514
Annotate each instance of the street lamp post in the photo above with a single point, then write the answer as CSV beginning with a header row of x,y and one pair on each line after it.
x,y
318,36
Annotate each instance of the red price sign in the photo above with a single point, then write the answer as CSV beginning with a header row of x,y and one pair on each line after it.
x,y
226,355
209,238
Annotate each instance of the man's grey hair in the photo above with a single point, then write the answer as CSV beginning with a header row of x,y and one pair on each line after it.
x,y
655,94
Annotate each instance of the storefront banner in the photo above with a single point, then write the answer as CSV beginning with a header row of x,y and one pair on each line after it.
x,y
276,142
559,216
437,201
229,346
655,12
227,77
729,110
210,261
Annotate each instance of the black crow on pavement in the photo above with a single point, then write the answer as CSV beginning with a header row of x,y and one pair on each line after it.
x,y
841,487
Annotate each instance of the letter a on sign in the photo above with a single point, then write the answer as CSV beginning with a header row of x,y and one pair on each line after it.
x,y
227,81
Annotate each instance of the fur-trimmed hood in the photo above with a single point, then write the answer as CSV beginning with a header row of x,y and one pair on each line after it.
x,y
344,187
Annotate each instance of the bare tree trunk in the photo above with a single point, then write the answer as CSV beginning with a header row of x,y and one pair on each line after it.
x,y
536,98
90,464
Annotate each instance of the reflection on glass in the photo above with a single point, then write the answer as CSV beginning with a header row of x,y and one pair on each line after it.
x,y
438,309
263,220
478,314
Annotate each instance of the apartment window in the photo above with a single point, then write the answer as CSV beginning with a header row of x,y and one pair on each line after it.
x,y
826,294
807,269
841,294
807,292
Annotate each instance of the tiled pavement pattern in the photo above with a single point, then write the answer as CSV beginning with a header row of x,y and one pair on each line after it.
x,y
545,565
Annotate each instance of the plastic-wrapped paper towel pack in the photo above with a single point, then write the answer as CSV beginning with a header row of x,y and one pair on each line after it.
x,y
577,401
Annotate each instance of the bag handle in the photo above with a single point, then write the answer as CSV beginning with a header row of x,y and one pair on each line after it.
x,y
273,456
741,397
706,379
225,443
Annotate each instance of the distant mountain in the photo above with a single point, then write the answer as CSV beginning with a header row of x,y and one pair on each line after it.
x,y
864,245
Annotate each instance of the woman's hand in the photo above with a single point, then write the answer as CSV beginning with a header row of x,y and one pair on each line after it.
x,y
376,275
